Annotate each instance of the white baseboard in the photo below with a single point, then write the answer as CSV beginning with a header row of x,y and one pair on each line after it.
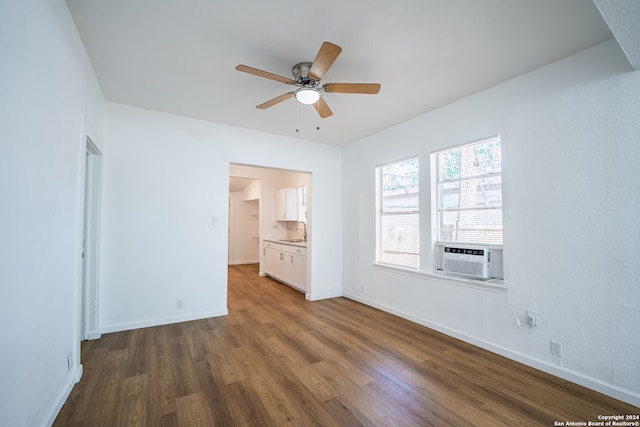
x,y
624,395
73,379
79,373
327,295
243,262
163,321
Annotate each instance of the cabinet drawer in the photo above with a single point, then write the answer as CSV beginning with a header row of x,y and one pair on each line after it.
x,y
289,249
281,248
297,250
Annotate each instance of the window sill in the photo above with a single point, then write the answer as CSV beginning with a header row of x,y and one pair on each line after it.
x,y
493,285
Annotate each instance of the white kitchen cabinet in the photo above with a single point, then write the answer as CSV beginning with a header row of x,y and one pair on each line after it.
x,y
281,267
287,204
269,258
298,272
286,263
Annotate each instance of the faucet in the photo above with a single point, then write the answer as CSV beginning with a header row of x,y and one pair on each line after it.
x,y
305,228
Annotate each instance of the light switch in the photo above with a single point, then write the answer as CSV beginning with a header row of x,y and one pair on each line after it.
x,y
214,221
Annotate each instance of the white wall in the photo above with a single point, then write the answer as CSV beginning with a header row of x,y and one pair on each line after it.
x,y
165,177
571,155
49,102
244,225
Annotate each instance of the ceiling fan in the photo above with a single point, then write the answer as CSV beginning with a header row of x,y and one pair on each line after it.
x,y
307,76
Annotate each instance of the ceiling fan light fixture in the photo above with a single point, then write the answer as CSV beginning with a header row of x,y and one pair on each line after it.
x,y
307,96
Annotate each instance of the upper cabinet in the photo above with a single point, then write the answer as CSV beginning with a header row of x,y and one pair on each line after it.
x,y
287,204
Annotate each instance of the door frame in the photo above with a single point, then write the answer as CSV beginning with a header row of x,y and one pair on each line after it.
x,y
89,320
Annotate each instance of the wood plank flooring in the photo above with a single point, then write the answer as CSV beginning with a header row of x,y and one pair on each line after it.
x,y
278,360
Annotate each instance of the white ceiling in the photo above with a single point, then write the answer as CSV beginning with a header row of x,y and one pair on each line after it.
x,y
178,56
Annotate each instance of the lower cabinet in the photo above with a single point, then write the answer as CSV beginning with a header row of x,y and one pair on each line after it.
x,y
280,270
298,272
269,261
286,263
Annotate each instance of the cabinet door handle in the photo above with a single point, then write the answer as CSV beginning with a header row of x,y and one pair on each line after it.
x,y
281,259
291,259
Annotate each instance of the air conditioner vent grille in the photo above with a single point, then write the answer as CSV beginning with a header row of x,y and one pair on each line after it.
x,y
475,261
466,268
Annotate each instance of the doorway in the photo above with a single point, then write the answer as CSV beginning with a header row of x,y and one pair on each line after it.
x,y
90,243
258,200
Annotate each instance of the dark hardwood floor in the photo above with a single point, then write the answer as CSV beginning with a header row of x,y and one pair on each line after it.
x,y
278,359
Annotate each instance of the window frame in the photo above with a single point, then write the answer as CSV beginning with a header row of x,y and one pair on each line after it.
x,y
381,214
428,242
435,199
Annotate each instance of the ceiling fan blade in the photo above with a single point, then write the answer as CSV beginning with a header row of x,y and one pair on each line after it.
x,y
276,100
367,88
324,59
322,108
265,74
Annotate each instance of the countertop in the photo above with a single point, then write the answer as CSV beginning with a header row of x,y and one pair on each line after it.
x,y
302,244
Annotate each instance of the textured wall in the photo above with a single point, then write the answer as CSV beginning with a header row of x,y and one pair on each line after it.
x,y
570,135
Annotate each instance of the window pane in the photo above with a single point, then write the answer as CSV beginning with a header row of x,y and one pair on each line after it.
x,y
399,239
469,193
449,165
400,187
398,214
473,193
470,160
402,201
481,226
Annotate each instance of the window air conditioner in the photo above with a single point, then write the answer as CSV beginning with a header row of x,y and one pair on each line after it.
x,y
473,261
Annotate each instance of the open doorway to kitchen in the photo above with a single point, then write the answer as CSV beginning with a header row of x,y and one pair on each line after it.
x,y
270,222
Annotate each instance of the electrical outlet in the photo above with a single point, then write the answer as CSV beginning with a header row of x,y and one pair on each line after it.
x,y
179,304
556,348
69,361
532,318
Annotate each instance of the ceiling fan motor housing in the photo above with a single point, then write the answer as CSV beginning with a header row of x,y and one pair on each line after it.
x,y
301,74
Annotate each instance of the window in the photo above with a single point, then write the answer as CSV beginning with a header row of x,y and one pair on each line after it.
x,y
469,193
398,214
